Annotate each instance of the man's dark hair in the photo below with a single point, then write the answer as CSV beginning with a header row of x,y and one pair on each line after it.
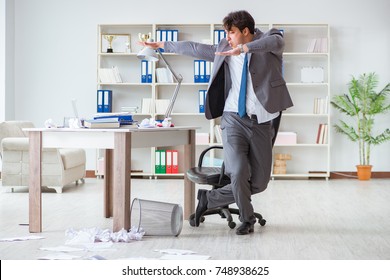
x,y
239,19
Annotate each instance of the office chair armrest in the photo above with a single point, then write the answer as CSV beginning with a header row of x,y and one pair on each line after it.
x,y
200,162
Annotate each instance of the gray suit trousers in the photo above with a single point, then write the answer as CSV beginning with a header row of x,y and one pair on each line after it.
x,y
248,159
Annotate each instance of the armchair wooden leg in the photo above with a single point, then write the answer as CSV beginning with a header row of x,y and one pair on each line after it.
x,y
57,189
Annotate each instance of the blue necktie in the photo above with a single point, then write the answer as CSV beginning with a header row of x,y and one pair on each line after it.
x,y
242,96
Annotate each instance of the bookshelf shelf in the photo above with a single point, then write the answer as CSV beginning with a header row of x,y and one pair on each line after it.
x,y
303,145
125,84
302,175
307,84
299,40
305,115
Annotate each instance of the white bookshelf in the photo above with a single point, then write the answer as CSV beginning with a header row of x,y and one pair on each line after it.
x,y
309,159
299,118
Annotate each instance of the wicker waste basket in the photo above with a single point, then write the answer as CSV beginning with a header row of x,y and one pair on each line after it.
x,y
157,218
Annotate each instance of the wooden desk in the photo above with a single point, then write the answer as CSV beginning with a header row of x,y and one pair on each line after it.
x,y
118,144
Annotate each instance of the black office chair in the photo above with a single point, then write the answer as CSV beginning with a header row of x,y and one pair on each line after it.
x,y
216,177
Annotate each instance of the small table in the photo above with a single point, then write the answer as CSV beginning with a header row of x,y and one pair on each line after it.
x,y
117,180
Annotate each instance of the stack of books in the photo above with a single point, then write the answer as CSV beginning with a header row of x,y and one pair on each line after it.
x,y
110,75
110,120
318,45
322,134
320,105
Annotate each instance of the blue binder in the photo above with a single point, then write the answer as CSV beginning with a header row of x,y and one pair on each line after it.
x,y
202,100
207,71
144,73
196,71
149,72
107,101
99,101
202,71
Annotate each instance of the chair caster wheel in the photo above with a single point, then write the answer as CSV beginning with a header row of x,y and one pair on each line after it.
x,y
232,225
262,222
202,219
192,222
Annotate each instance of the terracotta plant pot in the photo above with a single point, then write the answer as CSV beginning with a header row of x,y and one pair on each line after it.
x,y
364,172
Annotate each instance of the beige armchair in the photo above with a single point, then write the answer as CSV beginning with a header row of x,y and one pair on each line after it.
x,y
60,167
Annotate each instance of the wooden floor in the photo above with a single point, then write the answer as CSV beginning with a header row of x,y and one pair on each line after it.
x,y
306,219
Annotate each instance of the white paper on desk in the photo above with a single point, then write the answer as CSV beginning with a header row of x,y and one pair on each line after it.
x,y
59,256
184,257
64,249
176,252
22,238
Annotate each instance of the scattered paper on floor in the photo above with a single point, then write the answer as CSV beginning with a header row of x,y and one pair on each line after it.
x,y
59,256
176,251
21,238
184,257
92,235
64,249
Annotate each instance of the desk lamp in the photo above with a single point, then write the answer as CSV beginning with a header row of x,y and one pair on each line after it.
x,y
150,54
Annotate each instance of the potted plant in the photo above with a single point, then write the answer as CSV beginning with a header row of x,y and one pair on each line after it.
x,y
363,103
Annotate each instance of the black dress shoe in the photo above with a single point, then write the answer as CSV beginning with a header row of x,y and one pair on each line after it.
x,y
202,206
245,228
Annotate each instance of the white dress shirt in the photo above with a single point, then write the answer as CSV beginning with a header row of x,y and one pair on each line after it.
x,y
253,105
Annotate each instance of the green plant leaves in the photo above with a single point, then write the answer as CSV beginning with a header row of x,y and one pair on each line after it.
x,y
363,103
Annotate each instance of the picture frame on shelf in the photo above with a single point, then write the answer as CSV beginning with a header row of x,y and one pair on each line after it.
x,y
115,43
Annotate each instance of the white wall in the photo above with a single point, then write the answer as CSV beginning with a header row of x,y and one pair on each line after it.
x,y
2,59
56,45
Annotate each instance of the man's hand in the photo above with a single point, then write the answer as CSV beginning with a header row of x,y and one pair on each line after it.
x,y
235,51
153,45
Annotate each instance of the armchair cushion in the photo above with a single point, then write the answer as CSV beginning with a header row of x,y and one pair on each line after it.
x,y
72,157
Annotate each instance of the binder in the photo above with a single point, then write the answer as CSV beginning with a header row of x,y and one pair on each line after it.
x,y
196,71
163,35
144,65
202,70
107,101
219,34
207,71
162,161
99,108
149,72
222,35
175,35
202,99
157,162
216,37
169,162
158,35
169,35
163,38
175,159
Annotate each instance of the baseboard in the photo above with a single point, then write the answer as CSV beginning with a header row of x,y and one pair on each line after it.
x,y
353,175
90,174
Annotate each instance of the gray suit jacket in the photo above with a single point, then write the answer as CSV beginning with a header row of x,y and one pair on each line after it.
x,y
265,68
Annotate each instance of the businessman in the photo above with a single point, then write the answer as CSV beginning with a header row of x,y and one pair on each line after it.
x,y
248,92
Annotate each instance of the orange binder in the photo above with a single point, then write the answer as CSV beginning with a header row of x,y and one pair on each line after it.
x,y
169,161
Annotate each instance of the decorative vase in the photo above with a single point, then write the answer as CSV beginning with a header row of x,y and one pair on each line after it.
x,y
364,172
